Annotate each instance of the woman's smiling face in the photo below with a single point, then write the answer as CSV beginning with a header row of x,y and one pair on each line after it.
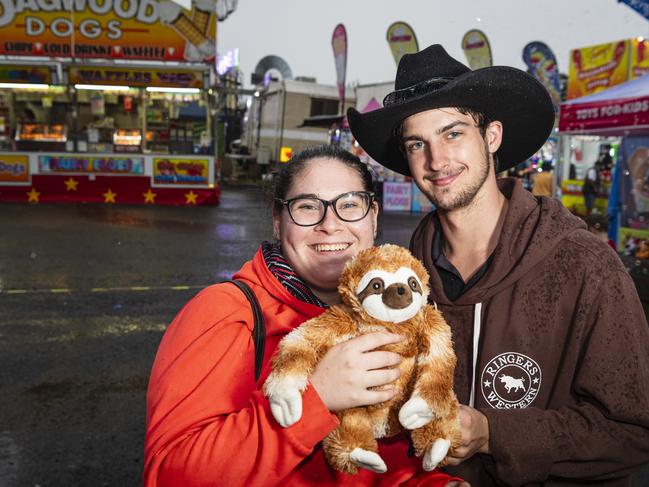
x,y
318,253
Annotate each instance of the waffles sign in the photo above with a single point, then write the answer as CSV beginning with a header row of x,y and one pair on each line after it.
x,y
123,29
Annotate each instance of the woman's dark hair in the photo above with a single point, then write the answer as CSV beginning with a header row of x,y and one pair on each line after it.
x,y
300,161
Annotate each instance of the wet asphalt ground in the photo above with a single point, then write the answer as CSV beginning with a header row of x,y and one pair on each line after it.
x,y
86,292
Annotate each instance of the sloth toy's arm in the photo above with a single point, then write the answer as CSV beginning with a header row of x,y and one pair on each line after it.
x,y
433,392
298,354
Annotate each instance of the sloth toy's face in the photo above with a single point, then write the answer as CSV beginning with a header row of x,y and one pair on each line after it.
x,y
391,296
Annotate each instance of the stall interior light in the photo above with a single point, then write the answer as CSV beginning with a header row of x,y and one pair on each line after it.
x,y
102,87
164,89
25,86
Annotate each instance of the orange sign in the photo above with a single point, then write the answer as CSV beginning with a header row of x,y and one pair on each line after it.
x,y
14,168
596,68
117,29
183,78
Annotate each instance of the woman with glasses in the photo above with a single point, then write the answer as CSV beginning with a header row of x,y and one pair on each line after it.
x,y
208,422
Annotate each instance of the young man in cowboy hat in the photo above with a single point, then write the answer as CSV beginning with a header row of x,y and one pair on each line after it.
x,y
551,340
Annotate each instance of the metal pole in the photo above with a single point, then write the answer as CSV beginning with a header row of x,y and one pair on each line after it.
x,y
281,134
557,176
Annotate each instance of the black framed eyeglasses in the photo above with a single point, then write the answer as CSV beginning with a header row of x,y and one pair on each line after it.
x,y
309,210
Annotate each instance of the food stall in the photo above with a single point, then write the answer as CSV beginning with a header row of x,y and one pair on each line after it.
x,y
125,119
620,114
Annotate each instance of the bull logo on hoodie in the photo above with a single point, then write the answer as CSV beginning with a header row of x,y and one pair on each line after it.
x,y
510,380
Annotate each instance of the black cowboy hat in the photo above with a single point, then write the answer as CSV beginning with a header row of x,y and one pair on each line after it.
x,y
432,79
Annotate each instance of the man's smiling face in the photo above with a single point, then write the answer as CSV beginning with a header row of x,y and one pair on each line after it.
x,y
448,156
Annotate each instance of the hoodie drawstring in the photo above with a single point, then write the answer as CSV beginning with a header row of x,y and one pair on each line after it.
x,y
476,340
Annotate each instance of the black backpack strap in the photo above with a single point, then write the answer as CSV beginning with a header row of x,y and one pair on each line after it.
x,y
259,330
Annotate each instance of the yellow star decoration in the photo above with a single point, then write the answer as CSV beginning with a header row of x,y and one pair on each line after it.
x,y
33,195
149,196
190,197
109,196
71,184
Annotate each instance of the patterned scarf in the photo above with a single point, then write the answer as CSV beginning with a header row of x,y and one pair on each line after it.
x,y
283,272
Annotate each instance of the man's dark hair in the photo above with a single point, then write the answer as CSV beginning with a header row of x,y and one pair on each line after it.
x,y
299,161
481,120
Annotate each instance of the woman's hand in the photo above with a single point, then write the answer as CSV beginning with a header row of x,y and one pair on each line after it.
x,y
346,371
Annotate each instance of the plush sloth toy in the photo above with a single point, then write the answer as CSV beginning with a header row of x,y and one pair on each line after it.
x,y
383,289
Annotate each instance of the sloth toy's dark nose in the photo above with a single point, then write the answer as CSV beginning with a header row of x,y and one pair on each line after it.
x,y
397,296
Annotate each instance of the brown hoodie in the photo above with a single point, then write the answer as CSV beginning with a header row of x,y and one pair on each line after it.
x,y
553,347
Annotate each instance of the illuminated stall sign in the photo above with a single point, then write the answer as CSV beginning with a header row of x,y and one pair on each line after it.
x,y
116,29
397,196
92,164
25,74
14,169
180,170
227,61
179,78
285,154
596,68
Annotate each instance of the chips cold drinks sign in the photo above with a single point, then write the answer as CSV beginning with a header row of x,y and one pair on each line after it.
x,y
123,29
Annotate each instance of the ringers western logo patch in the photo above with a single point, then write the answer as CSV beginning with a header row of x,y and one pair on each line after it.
x,y
510,380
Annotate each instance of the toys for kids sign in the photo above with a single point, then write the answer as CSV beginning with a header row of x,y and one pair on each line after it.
x,y
115,29
607,114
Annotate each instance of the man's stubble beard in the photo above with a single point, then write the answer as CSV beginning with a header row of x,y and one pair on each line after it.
x,y
467,195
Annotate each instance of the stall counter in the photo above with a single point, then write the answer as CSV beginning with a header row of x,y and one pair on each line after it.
x,y
37,177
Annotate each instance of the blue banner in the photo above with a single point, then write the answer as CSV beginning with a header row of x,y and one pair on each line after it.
x,y
640,6
542,64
